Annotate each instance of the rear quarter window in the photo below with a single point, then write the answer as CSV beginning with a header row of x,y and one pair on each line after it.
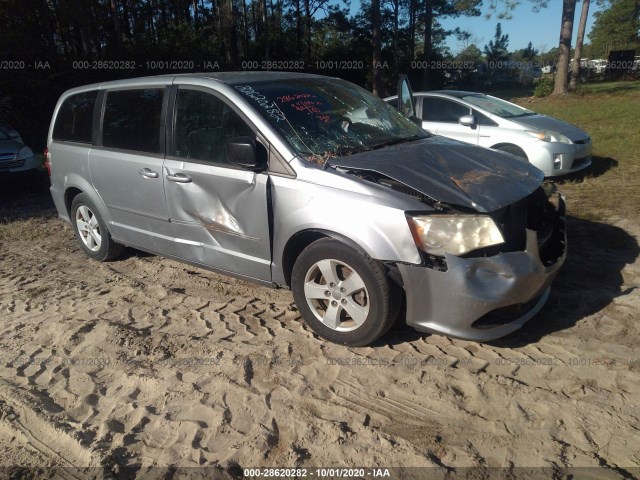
x,y
75,118
132,120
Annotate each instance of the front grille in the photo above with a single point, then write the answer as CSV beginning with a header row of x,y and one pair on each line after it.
x,y
10,165
536,213
512,222
544,219
583,142
6,156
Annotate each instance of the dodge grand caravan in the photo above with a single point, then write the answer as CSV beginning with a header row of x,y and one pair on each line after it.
x,y
310,183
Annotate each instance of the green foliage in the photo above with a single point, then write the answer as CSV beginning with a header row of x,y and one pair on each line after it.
x,y
470,54
616,28
544,88
529,53
497,49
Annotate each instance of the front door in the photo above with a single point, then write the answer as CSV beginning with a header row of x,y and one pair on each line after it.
x,y
218,210
442,117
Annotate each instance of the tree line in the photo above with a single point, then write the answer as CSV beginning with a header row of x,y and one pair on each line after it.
x,y
50,45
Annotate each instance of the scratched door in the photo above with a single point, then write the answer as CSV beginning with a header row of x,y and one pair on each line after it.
x,y
219,211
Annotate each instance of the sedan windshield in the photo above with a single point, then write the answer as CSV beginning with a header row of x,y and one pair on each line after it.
x,y
496,106
323,118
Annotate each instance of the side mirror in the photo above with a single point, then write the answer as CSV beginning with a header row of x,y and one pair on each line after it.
x,y
406,105
242,151
467,120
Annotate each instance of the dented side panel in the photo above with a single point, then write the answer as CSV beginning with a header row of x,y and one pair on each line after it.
x,y
220,217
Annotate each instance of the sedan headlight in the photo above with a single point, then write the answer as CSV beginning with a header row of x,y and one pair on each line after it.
x,y
24,153
454,234
549,136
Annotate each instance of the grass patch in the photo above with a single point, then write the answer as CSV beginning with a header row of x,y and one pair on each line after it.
x,y
609,112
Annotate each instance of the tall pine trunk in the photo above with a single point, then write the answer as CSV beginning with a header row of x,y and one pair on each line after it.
x,y
265,29
376,44
396,28
428,32
575,70
564,49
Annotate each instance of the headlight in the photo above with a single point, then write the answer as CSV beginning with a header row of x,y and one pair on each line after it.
x,y
24,153
454,234
549,136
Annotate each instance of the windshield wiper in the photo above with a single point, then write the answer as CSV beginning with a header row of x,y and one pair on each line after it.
x,y
343,150
350,150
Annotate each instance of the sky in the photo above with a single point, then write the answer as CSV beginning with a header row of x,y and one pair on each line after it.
x,y
542,28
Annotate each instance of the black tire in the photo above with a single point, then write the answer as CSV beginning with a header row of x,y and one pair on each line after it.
x,y
108,249
379,297
513,150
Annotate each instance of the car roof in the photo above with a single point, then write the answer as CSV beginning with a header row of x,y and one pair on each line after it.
x,y
236,77
451,93
224,77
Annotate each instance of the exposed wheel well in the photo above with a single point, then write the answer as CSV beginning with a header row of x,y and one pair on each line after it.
x,y
69,195
294,248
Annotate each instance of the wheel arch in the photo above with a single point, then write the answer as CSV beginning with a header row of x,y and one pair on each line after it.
x,y
500,145
69,194
301,240
75,185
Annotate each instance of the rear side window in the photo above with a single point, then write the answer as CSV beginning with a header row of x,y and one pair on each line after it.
x,y
75,117
132,120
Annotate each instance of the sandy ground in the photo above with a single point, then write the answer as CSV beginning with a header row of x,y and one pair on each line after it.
x,y
148,362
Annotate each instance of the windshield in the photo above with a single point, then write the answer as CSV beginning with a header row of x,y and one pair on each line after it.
x,y
498,107
322,118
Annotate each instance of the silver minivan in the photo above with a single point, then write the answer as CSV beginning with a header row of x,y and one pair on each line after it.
x,y
309,183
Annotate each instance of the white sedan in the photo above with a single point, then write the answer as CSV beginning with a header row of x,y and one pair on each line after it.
x,y
554,146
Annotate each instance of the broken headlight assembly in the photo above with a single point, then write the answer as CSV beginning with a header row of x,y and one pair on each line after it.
x,y
453,234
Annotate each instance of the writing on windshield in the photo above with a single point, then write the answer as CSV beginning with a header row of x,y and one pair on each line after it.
x,y
328,117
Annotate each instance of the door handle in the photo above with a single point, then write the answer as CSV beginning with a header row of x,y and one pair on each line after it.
x,y
146,173
179,178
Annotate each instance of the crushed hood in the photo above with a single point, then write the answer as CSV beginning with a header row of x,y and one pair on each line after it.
x,y
451,172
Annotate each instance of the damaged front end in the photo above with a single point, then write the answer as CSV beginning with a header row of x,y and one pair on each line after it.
x,y
487,292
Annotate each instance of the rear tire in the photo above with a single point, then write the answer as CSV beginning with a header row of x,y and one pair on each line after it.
x,y
91,230
513,150
343,295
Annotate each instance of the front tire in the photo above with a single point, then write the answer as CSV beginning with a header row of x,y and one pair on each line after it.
x,y
343,295
91,230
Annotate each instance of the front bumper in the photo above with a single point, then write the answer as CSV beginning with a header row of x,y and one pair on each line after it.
x,y
483,298
24,165
556,159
